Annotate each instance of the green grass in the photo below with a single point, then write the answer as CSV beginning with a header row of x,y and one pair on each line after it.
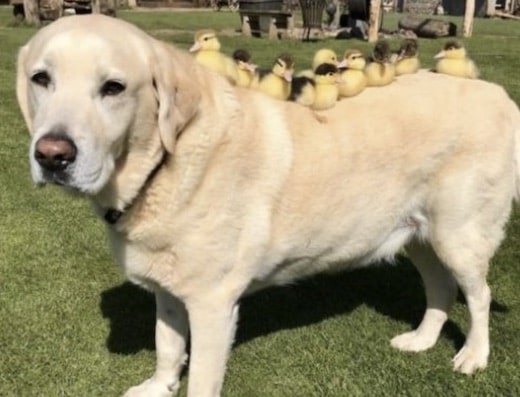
x,y
71,326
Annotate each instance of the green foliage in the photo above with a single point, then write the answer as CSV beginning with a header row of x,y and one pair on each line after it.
x,y
71,326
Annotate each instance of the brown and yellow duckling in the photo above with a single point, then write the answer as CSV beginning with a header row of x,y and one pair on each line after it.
x,y
407,58
352,73
320,92
453,60
327,80
277,83
245,69
380,71
207,52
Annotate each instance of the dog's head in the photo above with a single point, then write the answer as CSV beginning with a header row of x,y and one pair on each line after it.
x,y
97,92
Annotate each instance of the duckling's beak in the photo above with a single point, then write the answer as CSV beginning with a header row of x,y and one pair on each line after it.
x,y
343,64
440,55
195,47
250,67
287,75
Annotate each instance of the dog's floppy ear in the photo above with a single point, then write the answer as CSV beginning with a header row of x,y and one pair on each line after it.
x,y
178,93
22,88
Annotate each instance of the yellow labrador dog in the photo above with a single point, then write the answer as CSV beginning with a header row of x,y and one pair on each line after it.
x,y
210,192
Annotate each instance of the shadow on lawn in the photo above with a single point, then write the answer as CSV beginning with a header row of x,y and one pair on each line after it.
x,y
394,291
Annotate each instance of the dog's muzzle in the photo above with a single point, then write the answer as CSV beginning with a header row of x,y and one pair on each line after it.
x,y
54,153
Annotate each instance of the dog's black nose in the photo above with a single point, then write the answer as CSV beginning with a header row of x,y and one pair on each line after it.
x,y
55,152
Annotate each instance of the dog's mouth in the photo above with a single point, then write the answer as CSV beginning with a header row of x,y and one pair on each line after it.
x,y
59,178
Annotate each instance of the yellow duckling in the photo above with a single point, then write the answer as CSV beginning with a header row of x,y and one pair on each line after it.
x,y
323,55
207,49
319,93
277,83
381,71
352,73
454,61
407,58
326,91
245,69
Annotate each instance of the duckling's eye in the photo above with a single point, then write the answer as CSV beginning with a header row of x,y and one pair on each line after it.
x,y
41,78
112,88
206,38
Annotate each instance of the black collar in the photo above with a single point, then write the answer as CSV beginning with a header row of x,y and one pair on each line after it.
x,y
112,215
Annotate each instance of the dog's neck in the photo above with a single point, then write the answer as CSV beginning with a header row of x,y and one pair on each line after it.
x,y
131,178
112,215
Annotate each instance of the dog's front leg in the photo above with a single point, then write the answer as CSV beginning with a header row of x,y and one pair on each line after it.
x,y
171,330
212,325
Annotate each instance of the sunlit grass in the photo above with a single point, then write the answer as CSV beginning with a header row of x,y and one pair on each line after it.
x,y
71,326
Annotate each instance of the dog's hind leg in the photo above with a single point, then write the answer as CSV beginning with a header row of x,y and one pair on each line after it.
x,y
466,253
441,291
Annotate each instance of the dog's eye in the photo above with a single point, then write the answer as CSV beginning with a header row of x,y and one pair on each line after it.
x,y
112,88
41,78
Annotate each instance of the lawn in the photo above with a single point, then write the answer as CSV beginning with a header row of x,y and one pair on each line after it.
x,y
71,326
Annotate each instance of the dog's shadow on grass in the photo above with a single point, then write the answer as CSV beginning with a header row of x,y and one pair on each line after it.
x,y
392,290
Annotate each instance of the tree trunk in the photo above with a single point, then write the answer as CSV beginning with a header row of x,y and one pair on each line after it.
x,y
375,18
32,12
469,15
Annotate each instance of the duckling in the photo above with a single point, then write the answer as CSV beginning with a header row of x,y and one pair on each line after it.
x,y
323,55
381,71
352,73
245,69
207,49
326,91
277,83
454,61
319,93
407,61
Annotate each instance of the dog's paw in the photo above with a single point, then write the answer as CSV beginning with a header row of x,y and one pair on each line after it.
x,y
413,341
153,388
468,360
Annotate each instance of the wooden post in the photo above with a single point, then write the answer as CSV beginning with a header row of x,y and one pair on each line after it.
x,y
375,18
337,15
469,15
32,12
491,8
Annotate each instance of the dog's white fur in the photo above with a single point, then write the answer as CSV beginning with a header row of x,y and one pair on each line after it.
x,y
256,192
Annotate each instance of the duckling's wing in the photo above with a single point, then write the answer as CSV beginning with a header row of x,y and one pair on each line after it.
x,y
297,86
302,91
